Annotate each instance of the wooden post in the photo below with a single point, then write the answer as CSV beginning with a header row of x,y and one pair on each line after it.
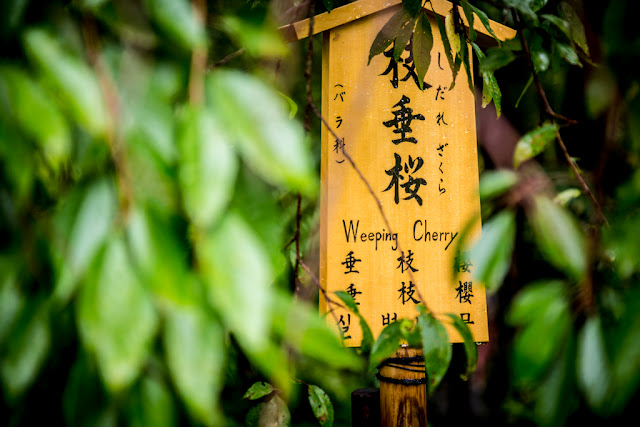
x,y
365,407
403,390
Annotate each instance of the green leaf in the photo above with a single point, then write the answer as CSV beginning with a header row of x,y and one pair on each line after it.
x,y
74,81
533,143
412,6
160,257
593,367
496,58
560,23
195,352
402,38
436,348
422,45
258,390
328,4
568,53
152,404
90,229
178,20
273,413
257,119
305,332
452,35
490,88
387,34
485,21
564,197
116,318
559,237
468,13
388,342
455,67
367,336
26,350
259,38
208,167
321,405
496,182
531,302
491,255
470,347
242,295
37,114
12,300
556,396
526,7
542,311
578,35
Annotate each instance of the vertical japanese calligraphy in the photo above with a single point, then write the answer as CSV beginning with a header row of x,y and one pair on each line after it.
x,y
416,151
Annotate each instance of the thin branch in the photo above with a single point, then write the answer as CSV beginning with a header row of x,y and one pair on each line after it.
x,y
307,127
198,58
228,58
581,180
322,290
547,106
554,115
109,91
373,194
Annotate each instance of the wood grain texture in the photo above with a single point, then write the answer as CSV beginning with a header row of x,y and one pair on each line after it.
x,y
403,405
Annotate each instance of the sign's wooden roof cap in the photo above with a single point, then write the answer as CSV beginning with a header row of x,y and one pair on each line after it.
x,y
361,8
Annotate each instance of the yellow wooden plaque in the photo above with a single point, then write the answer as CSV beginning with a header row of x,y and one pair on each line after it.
x,y
417,151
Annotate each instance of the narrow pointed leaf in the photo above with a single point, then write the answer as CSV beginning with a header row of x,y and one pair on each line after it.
x,y
258,390
491,255
578,34
367,336
256,118
402,38
389,31
559,237
436,349
208,167
533,143
386,344
74,80
452,35
485,21
195,352
470,347
321,405
468,13
116,317
593,370
26,350
422,45
37,115
178,20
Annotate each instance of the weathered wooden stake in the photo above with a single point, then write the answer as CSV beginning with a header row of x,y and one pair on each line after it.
x,y
403,390
365,407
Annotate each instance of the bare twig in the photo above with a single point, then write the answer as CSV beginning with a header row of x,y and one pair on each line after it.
x,y
228,58
556,116
110,93
373,194
581,180
198,58
322,290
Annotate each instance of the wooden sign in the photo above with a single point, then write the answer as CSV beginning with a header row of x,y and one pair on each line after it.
x,y
416,151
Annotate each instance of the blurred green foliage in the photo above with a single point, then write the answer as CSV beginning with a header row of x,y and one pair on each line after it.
x,y
155,173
